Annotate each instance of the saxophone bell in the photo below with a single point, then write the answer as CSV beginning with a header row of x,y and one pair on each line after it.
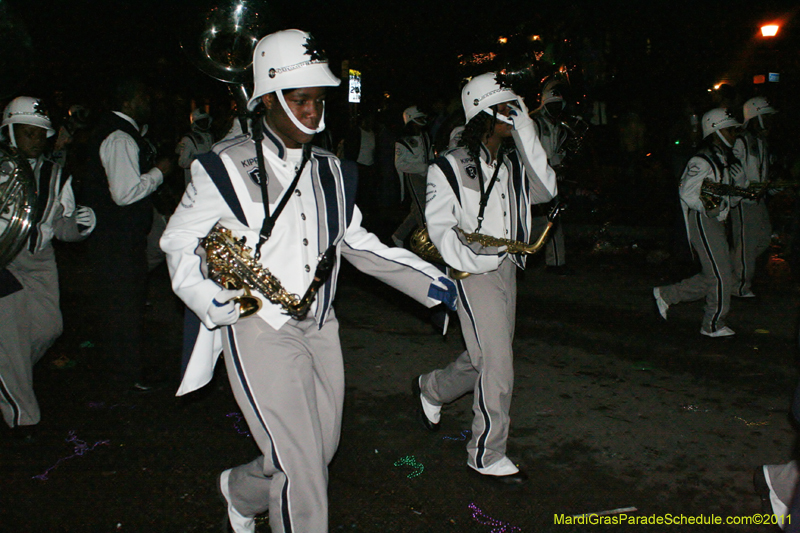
x,y
248,304
422,245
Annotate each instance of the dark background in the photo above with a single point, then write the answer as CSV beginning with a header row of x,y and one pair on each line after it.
x,y
649,63
654,52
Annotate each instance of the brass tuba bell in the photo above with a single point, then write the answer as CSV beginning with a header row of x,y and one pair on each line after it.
x,y
221,40
17,203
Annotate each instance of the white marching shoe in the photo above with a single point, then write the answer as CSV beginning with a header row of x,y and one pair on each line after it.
x,y
660,303
724,331
237,521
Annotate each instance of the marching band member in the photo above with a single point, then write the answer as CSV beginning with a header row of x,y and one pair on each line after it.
x,y
123,174
286,373
706,227
750,223
30,317
412,154
486,185
552,134
198,141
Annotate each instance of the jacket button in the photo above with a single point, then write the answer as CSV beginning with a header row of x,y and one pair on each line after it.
x,y
305,242
297,192
302,216
308,268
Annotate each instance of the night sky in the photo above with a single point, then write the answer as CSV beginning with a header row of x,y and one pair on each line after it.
x,y
411,48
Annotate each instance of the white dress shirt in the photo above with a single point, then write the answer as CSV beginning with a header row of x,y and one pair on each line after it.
x,y
119,154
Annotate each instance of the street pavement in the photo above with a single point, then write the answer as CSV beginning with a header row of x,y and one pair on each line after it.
x,y
613,409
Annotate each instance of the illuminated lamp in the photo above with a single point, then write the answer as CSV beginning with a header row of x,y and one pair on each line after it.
x,y
769,30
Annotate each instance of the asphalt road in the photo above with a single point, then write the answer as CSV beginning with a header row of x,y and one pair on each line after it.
x,y
612,409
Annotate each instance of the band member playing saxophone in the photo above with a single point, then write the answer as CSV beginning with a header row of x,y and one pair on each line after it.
x,y
487,185
751,227
705,218
295,209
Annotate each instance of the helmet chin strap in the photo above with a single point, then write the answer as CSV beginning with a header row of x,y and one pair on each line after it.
x,y
723,139
12,139
761,122
300,126
499,117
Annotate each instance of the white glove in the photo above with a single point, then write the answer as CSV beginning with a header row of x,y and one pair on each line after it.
x,y
519,114
223,311
85,216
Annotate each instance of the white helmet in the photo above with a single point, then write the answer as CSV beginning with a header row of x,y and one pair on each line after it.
x,y
482,92
413,114
26,110
551,93
289,59
755,107
199,114
718,119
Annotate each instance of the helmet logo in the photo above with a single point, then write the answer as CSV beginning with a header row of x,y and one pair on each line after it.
x,y
313,49
39,109
272,73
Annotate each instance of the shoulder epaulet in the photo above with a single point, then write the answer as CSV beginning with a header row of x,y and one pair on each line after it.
x,y
404,143
321,152
450,174
216,170
225,144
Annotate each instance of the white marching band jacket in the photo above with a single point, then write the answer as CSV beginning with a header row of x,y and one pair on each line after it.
x,y
551,135
453,198
58,208
711,164
321,213
753,153
56,218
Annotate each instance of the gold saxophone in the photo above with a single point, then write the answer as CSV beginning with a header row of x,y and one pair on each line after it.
x,y
231,264
711,193
422,245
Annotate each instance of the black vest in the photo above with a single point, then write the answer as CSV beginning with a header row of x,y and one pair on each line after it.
x,y
134,219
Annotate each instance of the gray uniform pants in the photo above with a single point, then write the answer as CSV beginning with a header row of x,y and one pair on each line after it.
x,y
715,280
30,322
752,233
487,310
554,251
289,385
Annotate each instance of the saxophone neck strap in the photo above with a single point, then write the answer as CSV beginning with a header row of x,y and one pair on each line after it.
x,y
485,192
269,220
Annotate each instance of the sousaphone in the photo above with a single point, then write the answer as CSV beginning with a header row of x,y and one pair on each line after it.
x,y
221,40
17,203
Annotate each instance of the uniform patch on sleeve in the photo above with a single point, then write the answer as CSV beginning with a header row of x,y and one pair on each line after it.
x,y
189,197
430,192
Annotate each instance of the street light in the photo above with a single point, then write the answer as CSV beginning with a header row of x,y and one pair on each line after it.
x,y
769,30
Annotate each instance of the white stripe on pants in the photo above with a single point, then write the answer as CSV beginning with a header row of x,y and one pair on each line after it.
x,y
289,385
30,322
486,310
